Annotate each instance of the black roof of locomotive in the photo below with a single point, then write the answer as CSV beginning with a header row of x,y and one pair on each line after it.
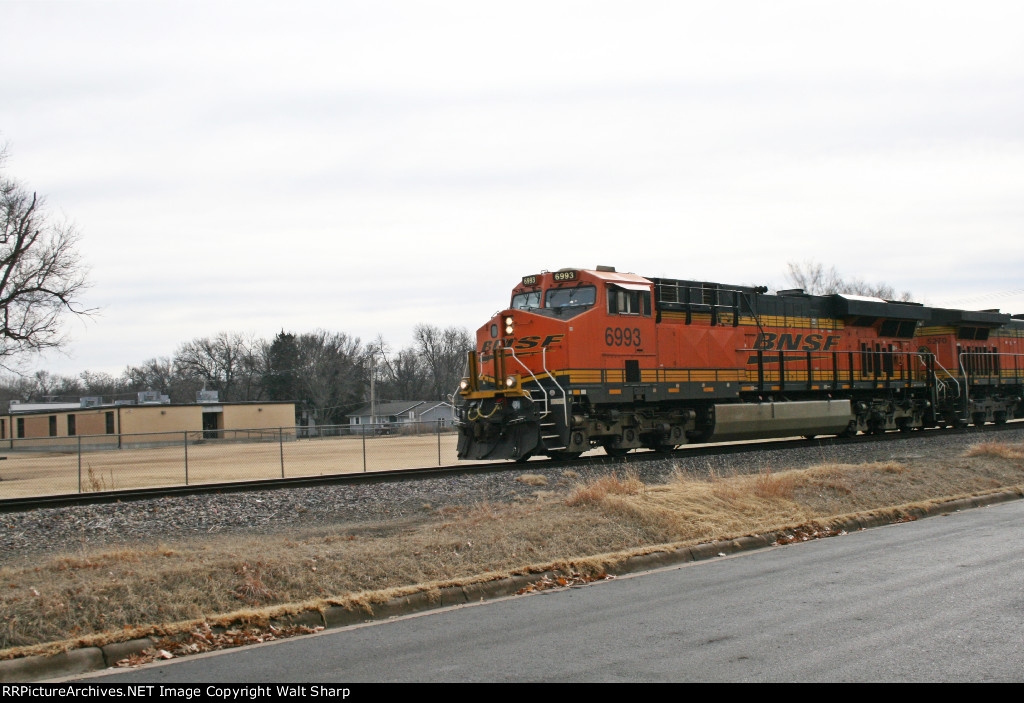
x,y
702,295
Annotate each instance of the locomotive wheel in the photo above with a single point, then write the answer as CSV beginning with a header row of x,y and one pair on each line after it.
x,y
524,458
612,450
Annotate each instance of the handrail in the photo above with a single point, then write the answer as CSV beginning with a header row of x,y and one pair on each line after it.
x,y
998,374
544,364
967,382
515,358
939,380
565,400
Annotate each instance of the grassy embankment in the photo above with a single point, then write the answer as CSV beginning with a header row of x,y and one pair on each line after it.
x,y
94,597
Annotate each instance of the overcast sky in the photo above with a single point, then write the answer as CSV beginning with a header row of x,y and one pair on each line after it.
x,y
365,166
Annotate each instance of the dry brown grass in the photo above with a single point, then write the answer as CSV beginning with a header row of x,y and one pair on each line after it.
x,y
533,480
996,449
96,481
598,490
110,594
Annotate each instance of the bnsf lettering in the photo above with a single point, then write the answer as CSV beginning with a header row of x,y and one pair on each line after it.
x,y
527,342
521,344
796,342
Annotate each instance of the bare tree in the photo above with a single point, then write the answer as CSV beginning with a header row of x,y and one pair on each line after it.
x,y
334,374
42,386
815,279
443,355
226,363
163,375
41,275
404,377
100,383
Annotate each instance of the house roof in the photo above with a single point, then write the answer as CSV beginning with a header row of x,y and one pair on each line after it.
x,y
394,407
397,407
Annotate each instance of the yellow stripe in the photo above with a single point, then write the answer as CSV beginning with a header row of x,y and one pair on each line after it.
x,y
725,320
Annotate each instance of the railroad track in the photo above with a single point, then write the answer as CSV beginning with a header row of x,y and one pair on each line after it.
x,y
13,505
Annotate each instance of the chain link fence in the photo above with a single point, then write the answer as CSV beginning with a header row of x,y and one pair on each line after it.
x,y
56,465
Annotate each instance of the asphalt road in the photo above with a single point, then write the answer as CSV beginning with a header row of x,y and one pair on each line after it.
x,y
941,599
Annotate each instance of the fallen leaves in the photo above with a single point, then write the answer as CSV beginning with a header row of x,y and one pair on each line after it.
x,y
573,579
207,639
805,533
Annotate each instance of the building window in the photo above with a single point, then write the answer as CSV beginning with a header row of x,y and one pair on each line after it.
x,y
21,427
53,425
71,425
110,422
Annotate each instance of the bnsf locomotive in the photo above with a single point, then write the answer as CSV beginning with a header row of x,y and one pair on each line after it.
x,y
587,358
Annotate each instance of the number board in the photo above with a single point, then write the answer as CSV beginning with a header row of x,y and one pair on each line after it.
x,y
564,275
529,280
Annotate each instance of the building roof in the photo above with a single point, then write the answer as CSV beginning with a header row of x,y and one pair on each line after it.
x,y
19,407
51,408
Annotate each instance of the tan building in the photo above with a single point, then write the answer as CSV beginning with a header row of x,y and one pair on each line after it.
x,y
140,425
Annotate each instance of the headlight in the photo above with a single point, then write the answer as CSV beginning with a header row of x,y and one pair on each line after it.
x,y
508,325
510,382
464,384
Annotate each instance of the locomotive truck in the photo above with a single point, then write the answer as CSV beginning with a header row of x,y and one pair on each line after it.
x,y
587,358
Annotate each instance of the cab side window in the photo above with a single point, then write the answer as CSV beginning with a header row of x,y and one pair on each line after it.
x,y
628,302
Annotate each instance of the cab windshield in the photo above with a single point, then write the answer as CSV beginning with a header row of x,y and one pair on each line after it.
x,y
526,301
581,296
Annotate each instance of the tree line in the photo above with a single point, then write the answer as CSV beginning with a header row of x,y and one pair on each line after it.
x,y
817,279
327,374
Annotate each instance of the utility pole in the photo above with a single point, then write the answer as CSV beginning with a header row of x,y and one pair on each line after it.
x,y
373,400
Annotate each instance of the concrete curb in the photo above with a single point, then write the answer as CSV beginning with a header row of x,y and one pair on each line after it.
x,y
75,661
85,659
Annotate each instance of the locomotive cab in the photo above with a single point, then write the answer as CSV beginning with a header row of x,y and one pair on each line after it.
x,y
533,360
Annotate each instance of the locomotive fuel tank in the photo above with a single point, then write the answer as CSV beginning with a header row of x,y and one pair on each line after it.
x,y
735,421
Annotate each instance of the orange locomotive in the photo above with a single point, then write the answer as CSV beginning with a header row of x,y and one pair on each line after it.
x,y
585,358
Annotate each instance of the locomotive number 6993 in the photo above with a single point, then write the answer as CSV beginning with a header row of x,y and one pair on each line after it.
x,y
622,337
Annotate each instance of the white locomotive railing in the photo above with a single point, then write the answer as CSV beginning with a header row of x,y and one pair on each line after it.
x,y
544,393
996,373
